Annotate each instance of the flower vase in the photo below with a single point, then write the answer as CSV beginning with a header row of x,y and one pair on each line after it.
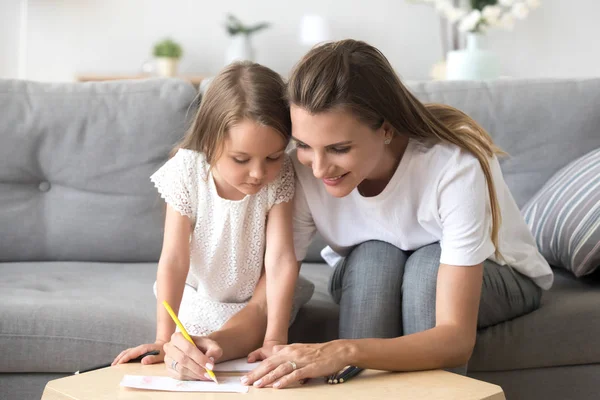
x,y
473,62
240,49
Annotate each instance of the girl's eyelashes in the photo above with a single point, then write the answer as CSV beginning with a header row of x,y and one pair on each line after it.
x,y
245,161
301,145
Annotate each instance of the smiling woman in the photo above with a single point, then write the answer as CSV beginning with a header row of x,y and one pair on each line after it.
x,y
408,196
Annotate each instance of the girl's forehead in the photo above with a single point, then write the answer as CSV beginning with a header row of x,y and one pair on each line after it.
x,y
251,137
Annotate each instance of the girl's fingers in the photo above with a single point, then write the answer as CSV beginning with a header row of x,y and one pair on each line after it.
x,y
153,359
175,353
192,352
181,372
117,358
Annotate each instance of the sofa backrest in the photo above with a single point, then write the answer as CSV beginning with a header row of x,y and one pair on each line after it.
x,y
75,160
541,124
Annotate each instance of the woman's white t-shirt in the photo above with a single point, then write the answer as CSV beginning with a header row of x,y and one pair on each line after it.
x,y
227,244
437,194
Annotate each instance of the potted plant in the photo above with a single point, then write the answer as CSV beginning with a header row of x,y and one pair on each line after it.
x,y
240,47
167,54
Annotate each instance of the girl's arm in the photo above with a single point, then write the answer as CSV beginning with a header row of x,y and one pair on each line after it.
x,y
449,344
245,331
281,270
173,268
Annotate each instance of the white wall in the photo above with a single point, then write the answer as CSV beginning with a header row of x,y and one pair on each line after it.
x,y
10,12
66,37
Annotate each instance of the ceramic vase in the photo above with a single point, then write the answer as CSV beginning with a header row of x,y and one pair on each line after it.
x,y
240,49
473,62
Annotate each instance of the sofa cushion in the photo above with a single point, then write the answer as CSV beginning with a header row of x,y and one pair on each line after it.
x,y
564,216
563,331
74,166
542,124
66,316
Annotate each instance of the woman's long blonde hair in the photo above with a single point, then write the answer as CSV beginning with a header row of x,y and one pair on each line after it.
x,y
355,76
241,90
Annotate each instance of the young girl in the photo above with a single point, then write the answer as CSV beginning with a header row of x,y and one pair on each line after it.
x,y
228,190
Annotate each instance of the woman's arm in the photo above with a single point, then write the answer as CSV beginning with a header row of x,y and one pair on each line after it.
x,y
281,270
449,344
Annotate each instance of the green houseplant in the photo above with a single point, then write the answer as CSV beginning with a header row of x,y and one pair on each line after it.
x,y
167,53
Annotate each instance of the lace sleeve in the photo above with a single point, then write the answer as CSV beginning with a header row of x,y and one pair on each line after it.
x,y
282,188
176,182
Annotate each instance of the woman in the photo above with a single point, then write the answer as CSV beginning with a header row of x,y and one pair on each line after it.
x,y
427,241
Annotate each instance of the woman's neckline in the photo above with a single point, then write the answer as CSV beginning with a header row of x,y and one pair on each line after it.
x,y
396,176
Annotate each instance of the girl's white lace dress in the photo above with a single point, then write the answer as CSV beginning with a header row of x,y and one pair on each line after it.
x,y
227,244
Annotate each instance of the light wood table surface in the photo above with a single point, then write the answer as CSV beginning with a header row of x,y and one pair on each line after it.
x,y
428,385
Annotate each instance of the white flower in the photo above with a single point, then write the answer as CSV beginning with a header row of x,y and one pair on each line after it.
x,y
469,23
492,14
506,3
455,14
507,21
533,4
520,10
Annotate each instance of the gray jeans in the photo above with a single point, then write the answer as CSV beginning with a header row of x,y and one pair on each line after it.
x,y
384,292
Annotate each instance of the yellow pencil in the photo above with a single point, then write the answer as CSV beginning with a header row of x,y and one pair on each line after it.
x,y
186,335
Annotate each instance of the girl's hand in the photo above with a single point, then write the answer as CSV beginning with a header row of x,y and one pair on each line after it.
x,y
187,362
265,351
297,362
135,352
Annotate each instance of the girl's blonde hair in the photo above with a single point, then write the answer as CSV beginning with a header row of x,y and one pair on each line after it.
x,y
242,90
354,76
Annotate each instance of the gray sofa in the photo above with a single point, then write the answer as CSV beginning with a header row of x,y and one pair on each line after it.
x,y
81,227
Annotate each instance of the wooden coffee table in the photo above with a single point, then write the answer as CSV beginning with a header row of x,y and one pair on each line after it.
x,y
439,385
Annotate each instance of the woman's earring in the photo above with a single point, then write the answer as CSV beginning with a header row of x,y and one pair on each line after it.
x,y
387,140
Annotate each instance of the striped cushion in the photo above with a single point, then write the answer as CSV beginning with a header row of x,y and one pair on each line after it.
x,y
564,216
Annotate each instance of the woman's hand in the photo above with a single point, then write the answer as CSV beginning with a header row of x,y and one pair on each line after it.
x,y
297,362
135,352
187,362
265,351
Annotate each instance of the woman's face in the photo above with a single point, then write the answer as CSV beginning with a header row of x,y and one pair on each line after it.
x,y
341,150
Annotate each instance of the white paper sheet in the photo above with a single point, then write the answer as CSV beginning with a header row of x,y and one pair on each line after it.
x,y
239,365
230,384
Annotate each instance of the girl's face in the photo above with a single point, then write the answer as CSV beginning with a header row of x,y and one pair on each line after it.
x,y
252,157
341,150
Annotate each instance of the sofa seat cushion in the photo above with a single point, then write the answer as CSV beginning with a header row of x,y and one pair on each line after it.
x,y
66,316
317,321
563,331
